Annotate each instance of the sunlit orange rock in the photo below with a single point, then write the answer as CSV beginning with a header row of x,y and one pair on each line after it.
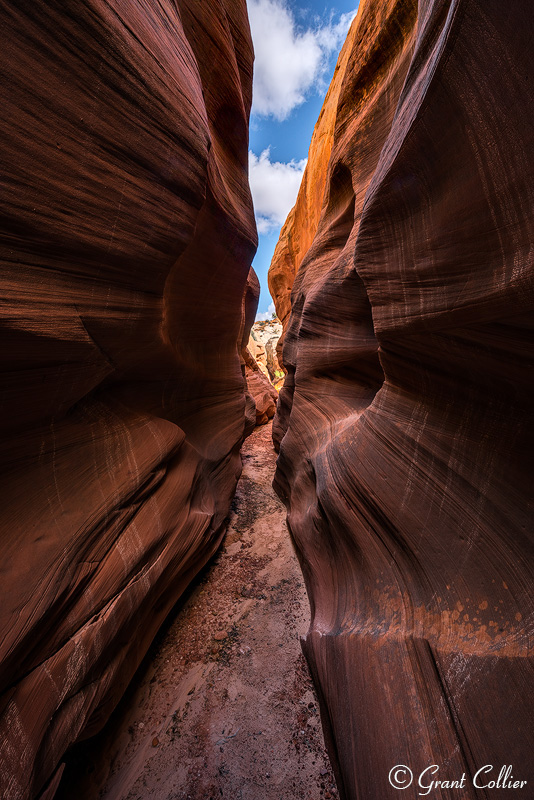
x,y
405,425
128,236
300,226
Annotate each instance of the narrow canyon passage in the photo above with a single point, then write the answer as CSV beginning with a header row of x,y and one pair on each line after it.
x,y
149,616
223,705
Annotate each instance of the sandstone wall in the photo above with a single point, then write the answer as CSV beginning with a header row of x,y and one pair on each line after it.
x,y
405,423
128,233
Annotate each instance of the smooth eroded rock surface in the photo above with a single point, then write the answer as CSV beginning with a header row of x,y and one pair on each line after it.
x,y
128,236
405,423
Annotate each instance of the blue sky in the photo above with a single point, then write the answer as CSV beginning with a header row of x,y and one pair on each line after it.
x,y
296,43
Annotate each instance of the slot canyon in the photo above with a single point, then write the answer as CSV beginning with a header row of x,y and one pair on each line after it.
x,y
281,559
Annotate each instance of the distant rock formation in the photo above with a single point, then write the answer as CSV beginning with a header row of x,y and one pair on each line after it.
x,y
261,393
405,423
128,236
263,343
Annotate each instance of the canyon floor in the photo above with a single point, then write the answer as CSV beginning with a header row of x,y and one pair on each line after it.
x,y
223,705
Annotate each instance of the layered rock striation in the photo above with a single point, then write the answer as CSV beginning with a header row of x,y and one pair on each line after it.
x,y
128,233
405,424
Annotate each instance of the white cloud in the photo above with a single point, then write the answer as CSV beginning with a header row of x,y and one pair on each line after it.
x,y
330,36
274,186
289,61
266,314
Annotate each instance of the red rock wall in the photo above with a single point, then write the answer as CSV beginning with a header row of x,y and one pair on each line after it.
x,y
405,424
128,236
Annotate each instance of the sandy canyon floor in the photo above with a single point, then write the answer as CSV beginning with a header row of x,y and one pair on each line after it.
x,y
223,705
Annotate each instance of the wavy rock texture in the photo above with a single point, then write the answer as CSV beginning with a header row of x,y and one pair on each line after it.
x,y
129,234
405,424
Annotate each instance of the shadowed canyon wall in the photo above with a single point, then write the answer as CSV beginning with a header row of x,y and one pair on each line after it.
x,y
128,233
405,422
